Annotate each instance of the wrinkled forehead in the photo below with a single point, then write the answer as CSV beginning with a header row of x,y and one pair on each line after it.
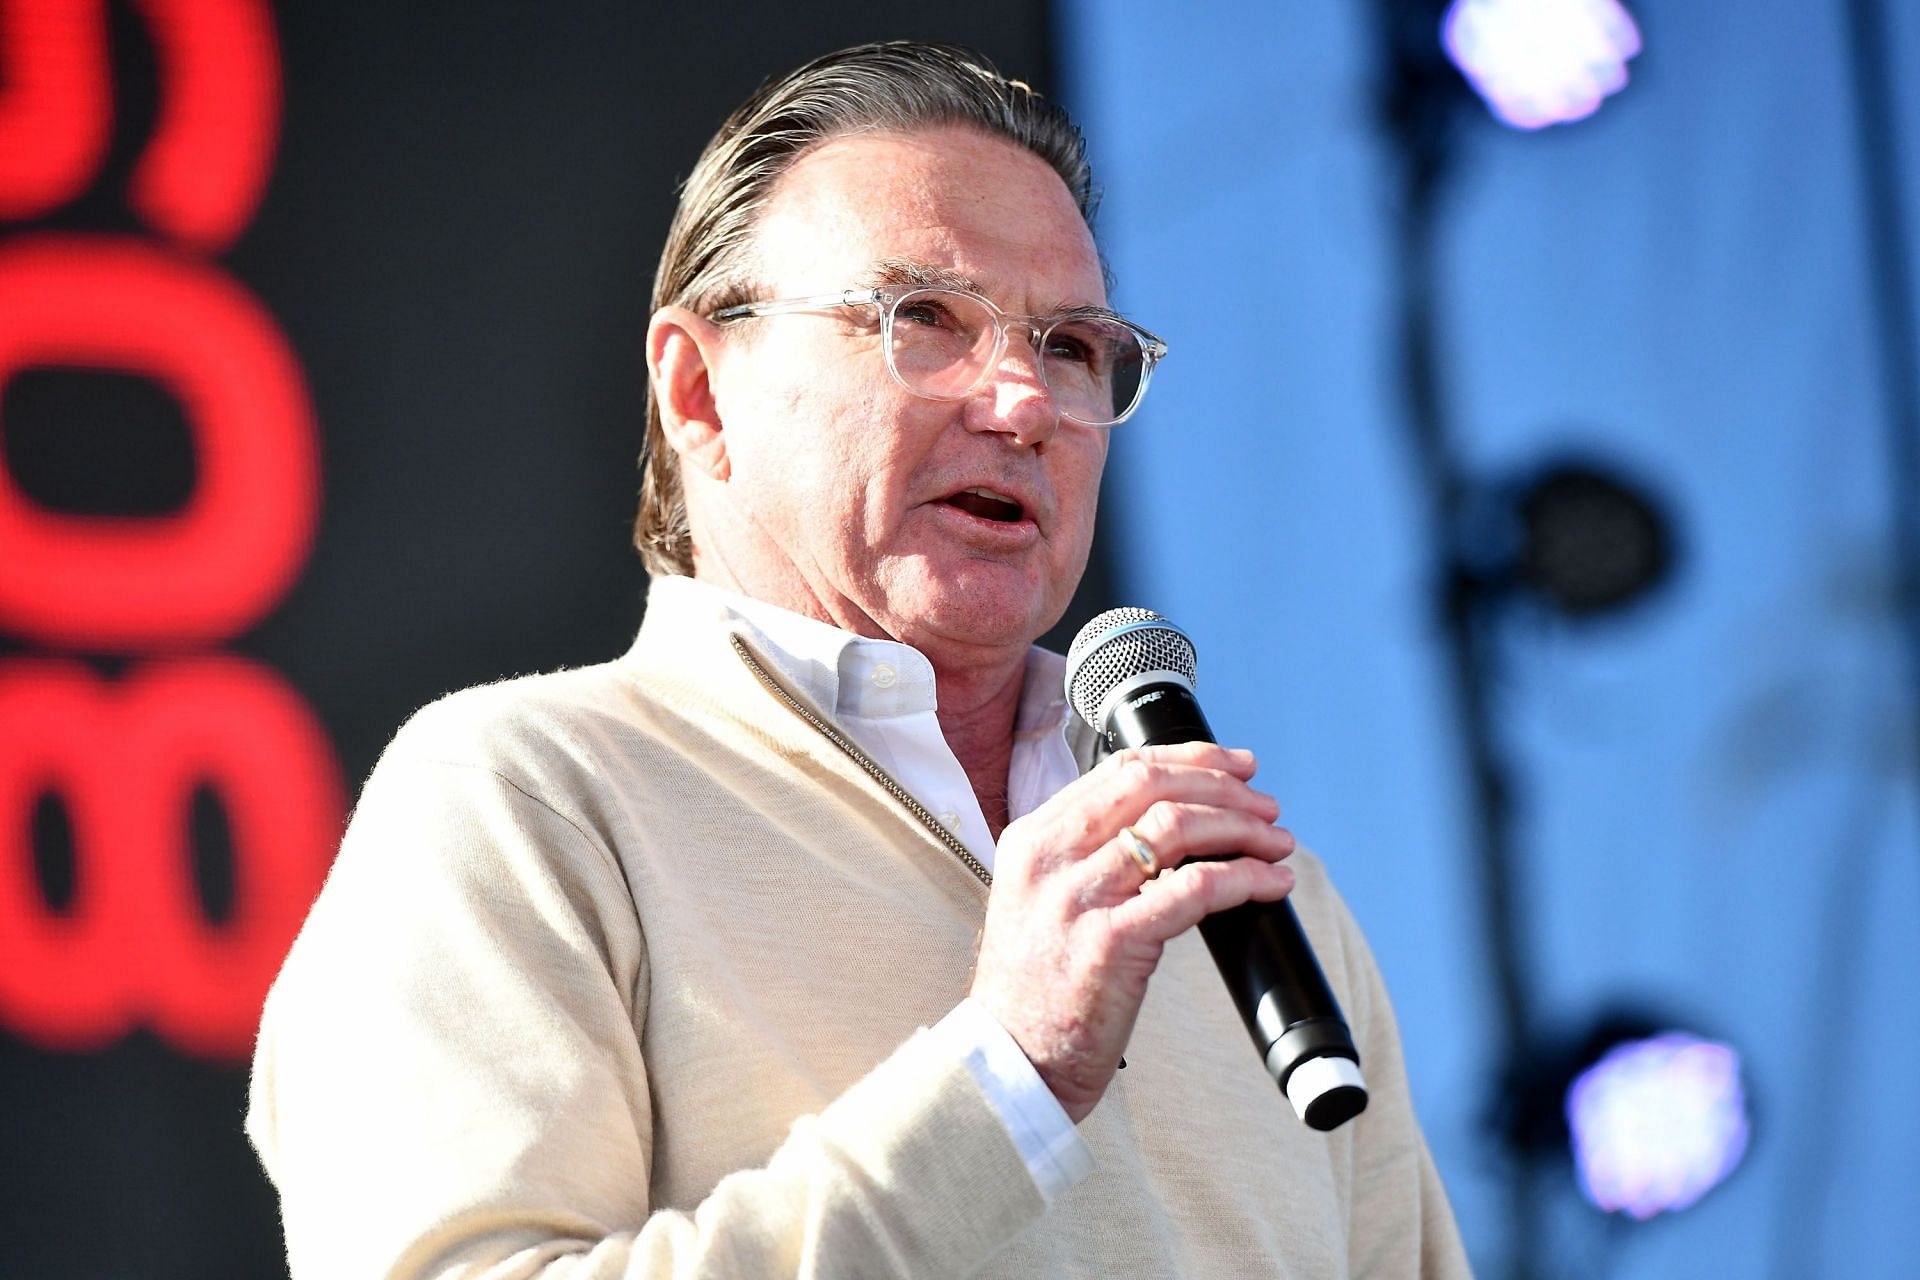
x,y
963,202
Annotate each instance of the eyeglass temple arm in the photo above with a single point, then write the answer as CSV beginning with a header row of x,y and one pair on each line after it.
x,y
782,306
1156,345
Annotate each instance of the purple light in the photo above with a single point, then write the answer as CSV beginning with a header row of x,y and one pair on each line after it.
x,y
1657,1123
1541,62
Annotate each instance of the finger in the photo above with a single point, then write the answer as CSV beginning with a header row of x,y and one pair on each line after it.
x,y
1179,830
1129,787
1090,811
1184,896
1173,833
1237,761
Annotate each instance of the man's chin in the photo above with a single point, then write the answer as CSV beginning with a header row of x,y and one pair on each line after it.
x,y
977,603
981,621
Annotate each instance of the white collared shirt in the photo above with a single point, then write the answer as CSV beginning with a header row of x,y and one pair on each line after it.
x,y
881,692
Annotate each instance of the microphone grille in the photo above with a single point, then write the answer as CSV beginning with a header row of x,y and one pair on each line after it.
x,y
1121,643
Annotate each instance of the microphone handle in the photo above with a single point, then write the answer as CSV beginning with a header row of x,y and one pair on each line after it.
x,y
1259,947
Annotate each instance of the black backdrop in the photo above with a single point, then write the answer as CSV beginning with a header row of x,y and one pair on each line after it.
x,y
457,240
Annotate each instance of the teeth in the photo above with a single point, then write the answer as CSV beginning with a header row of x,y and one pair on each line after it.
x,y
988,504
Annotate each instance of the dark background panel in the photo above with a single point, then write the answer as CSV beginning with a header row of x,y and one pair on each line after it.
x,y
458,240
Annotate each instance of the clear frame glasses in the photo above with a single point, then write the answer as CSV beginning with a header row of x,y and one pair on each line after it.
x,y
943,344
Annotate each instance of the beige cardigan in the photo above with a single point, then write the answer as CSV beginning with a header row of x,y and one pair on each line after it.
x,y
619,973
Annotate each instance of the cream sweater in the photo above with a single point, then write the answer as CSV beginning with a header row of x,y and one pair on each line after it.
x,y
619,973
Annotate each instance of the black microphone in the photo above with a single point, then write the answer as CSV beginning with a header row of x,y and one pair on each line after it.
x,y
1130,674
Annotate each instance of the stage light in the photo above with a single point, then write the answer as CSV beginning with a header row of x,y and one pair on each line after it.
x,y
1594,538
1650,1118
1657,1122
1541,62
1579,535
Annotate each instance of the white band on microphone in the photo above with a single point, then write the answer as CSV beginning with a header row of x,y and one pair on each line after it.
x,y
1317,1076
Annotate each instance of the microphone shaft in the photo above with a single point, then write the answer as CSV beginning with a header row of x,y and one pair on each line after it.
x,y
1259,947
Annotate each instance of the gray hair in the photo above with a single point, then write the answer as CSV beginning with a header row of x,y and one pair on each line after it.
x,y
893,87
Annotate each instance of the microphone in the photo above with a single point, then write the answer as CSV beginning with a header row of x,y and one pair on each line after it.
x,y
1130,674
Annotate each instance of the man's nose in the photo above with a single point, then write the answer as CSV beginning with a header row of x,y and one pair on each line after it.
x,y
1016,399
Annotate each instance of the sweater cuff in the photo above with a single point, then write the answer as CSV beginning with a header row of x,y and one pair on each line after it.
x,y
1056,1155
933,1177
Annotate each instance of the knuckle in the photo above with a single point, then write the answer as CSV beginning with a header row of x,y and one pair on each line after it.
x,y
1169,821
1213,879
1139,772
1201,872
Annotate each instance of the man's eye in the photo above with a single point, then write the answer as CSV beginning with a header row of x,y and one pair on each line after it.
x,y
1071,347
922,311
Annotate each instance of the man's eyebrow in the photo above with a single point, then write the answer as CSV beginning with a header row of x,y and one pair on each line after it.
x,y
921,275
912,273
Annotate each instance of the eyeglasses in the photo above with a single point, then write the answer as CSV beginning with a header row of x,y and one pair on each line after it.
x,y
943,344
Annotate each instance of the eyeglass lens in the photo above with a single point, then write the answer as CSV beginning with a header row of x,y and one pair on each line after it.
x,y
943,341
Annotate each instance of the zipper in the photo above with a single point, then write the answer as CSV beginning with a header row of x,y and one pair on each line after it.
x,y
867,764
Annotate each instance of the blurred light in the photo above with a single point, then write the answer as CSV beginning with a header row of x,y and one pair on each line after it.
x,y
1657,1123
1541,62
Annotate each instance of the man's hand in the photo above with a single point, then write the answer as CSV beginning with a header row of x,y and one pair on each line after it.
x,y
1074,929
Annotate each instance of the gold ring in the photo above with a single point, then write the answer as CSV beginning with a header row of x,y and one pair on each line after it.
x,y
1140,851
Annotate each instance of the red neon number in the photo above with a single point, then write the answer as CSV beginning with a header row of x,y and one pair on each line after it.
x,y
202,173
62,978
54,105
135,945
216,566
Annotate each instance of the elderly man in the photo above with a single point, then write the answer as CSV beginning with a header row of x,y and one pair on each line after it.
x,y
796,940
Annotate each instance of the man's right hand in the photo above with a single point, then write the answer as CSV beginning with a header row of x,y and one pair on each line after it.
x,y
1074,929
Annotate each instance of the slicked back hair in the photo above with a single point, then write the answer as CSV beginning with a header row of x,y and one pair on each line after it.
x,y
707,264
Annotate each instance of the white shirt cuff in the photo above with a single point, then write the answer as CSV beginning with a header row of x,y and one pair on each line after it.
x,y
1055,1153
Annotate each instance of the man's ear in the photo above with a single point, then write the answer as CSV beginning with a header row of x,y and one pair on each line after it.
x,y
681,350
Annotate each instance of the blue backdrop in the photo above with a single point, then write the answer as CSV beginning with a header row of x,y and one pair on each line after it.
x,y
1715,791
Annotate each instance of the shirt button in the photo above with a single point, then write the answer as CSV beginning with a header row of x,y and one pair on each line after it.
x,y
884,676
950,820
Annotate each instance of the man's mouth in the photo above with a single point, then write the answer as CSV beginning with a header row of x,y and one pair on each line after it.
x,y
988,505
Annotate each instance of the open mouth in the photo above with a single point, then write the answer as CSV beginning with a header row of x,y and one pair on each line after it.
x,y
988,505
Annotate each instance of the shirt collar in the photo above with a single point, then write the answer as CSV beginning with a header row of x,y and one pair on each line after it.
x,y
857,677
1043,696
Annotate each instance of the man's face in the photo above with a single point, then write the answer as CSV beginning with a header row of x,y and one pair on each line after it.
x,y
842,483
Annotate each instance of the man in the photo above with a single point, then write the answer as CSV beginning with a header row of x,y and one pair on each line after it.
x,y
791,942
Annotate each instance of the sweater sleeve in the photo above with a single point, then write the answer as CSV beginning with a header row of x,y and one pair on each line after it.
x,y
449,1081
1400,1223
